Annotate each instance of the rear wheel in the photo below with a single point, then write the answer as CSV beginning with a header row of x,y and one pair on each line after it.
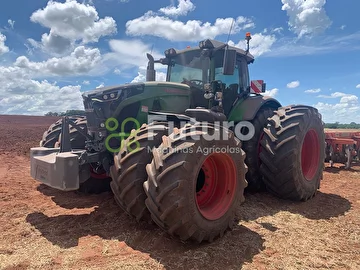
x,y
129,170
252,149
98,182
293,153
196,185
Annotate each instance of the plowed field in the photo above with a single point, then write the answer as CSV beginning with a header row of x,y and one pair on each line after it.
x,y
42,228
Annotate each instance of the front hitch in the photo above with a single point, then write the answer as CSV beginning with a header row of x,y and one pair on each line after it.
x,y
62,168
65,143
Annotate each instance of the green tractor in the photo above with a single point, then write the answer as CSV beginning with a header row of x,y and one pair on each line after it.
x,y
182,152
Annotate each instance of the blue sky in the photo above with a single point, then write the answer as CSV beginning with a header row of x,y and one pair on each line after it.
x,y
50,51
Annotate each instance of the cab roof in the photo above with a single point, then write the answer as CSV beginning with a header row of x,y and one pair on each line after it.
x,y
214,43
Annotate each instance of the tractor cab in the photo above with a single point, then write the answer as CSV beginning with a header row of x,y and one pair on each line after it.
x,y
216,73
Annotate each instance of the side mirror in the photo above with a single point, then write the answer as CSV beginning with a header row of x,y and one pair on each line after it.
x,y
150,70
229,62
257,87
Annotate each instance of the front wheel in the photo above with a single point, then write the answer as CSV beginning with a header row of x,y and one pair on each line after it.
x,y
293,153
129,169
196,183
97,183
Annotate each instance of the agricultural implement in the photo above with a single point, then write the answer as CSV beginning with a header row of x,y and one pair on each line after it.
x,y
181,152
342,147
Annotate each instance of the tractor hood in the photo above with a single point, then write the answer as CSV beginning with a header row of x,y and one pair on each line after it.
x,y
135,88
133,101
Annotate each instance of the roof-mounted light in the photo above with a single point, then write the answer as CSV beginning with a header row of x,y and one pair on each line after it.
x,y
248,37
170,52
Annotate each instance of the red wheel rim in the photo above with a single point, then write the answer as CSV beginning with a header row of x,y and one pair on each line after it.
x,y
310,154
95,175
216,186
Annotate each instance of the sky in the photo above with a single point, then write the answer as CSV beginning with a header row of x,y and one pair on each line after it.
x,y
307,51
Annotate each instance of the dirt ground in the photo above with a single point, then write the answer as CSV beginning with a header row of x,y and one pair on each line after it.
x,y
42,228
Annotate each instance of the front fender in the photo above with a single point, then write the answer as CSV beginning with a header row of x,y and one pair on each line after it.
x,y
246,109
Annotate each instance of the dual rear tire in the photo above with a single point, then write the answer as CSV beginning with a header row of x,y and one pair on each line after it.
x,y
194,188
196,195
293,153
188,186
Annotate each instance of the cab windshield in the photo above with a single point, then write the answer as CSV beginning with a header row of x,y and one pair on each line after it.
x,y
191,66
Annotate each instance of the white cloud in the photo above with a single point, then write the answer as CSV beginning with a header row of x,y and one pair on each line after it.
x,y
182,9
70,22
53,43
288,47
259,44
306,18
272,93
141,77
25,96
124,58
334,95
24,89
11,23
100,86
349,99
358,86
293,84
161,76
192,30
81,61
346,111
277,30
3,47
313,91
86,82
343,27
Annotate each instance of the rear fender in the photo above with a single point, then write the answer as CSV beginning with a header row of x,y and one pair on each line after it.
x,y
246,109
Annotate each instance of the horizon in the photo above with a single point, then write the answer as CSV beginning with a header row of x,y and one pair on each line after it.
x,y
47,61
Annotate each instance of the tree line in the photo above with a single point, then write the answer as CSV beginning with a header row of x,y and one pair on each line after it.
x,y
67,113
335,125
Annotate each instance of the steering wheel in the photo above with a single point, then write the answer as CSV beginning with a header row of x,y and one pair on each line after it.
x,y
196,83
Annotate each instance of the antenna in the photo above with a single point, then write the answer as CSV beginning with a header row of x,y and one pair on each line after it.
x,y
232,23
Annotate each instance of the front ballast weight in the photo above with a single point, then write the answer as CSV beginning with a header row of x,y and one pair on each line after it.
x,y
62,168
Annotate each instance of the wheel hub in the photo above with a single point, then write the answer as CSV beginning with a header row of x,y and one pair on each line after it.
x,y
216,186
310,154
